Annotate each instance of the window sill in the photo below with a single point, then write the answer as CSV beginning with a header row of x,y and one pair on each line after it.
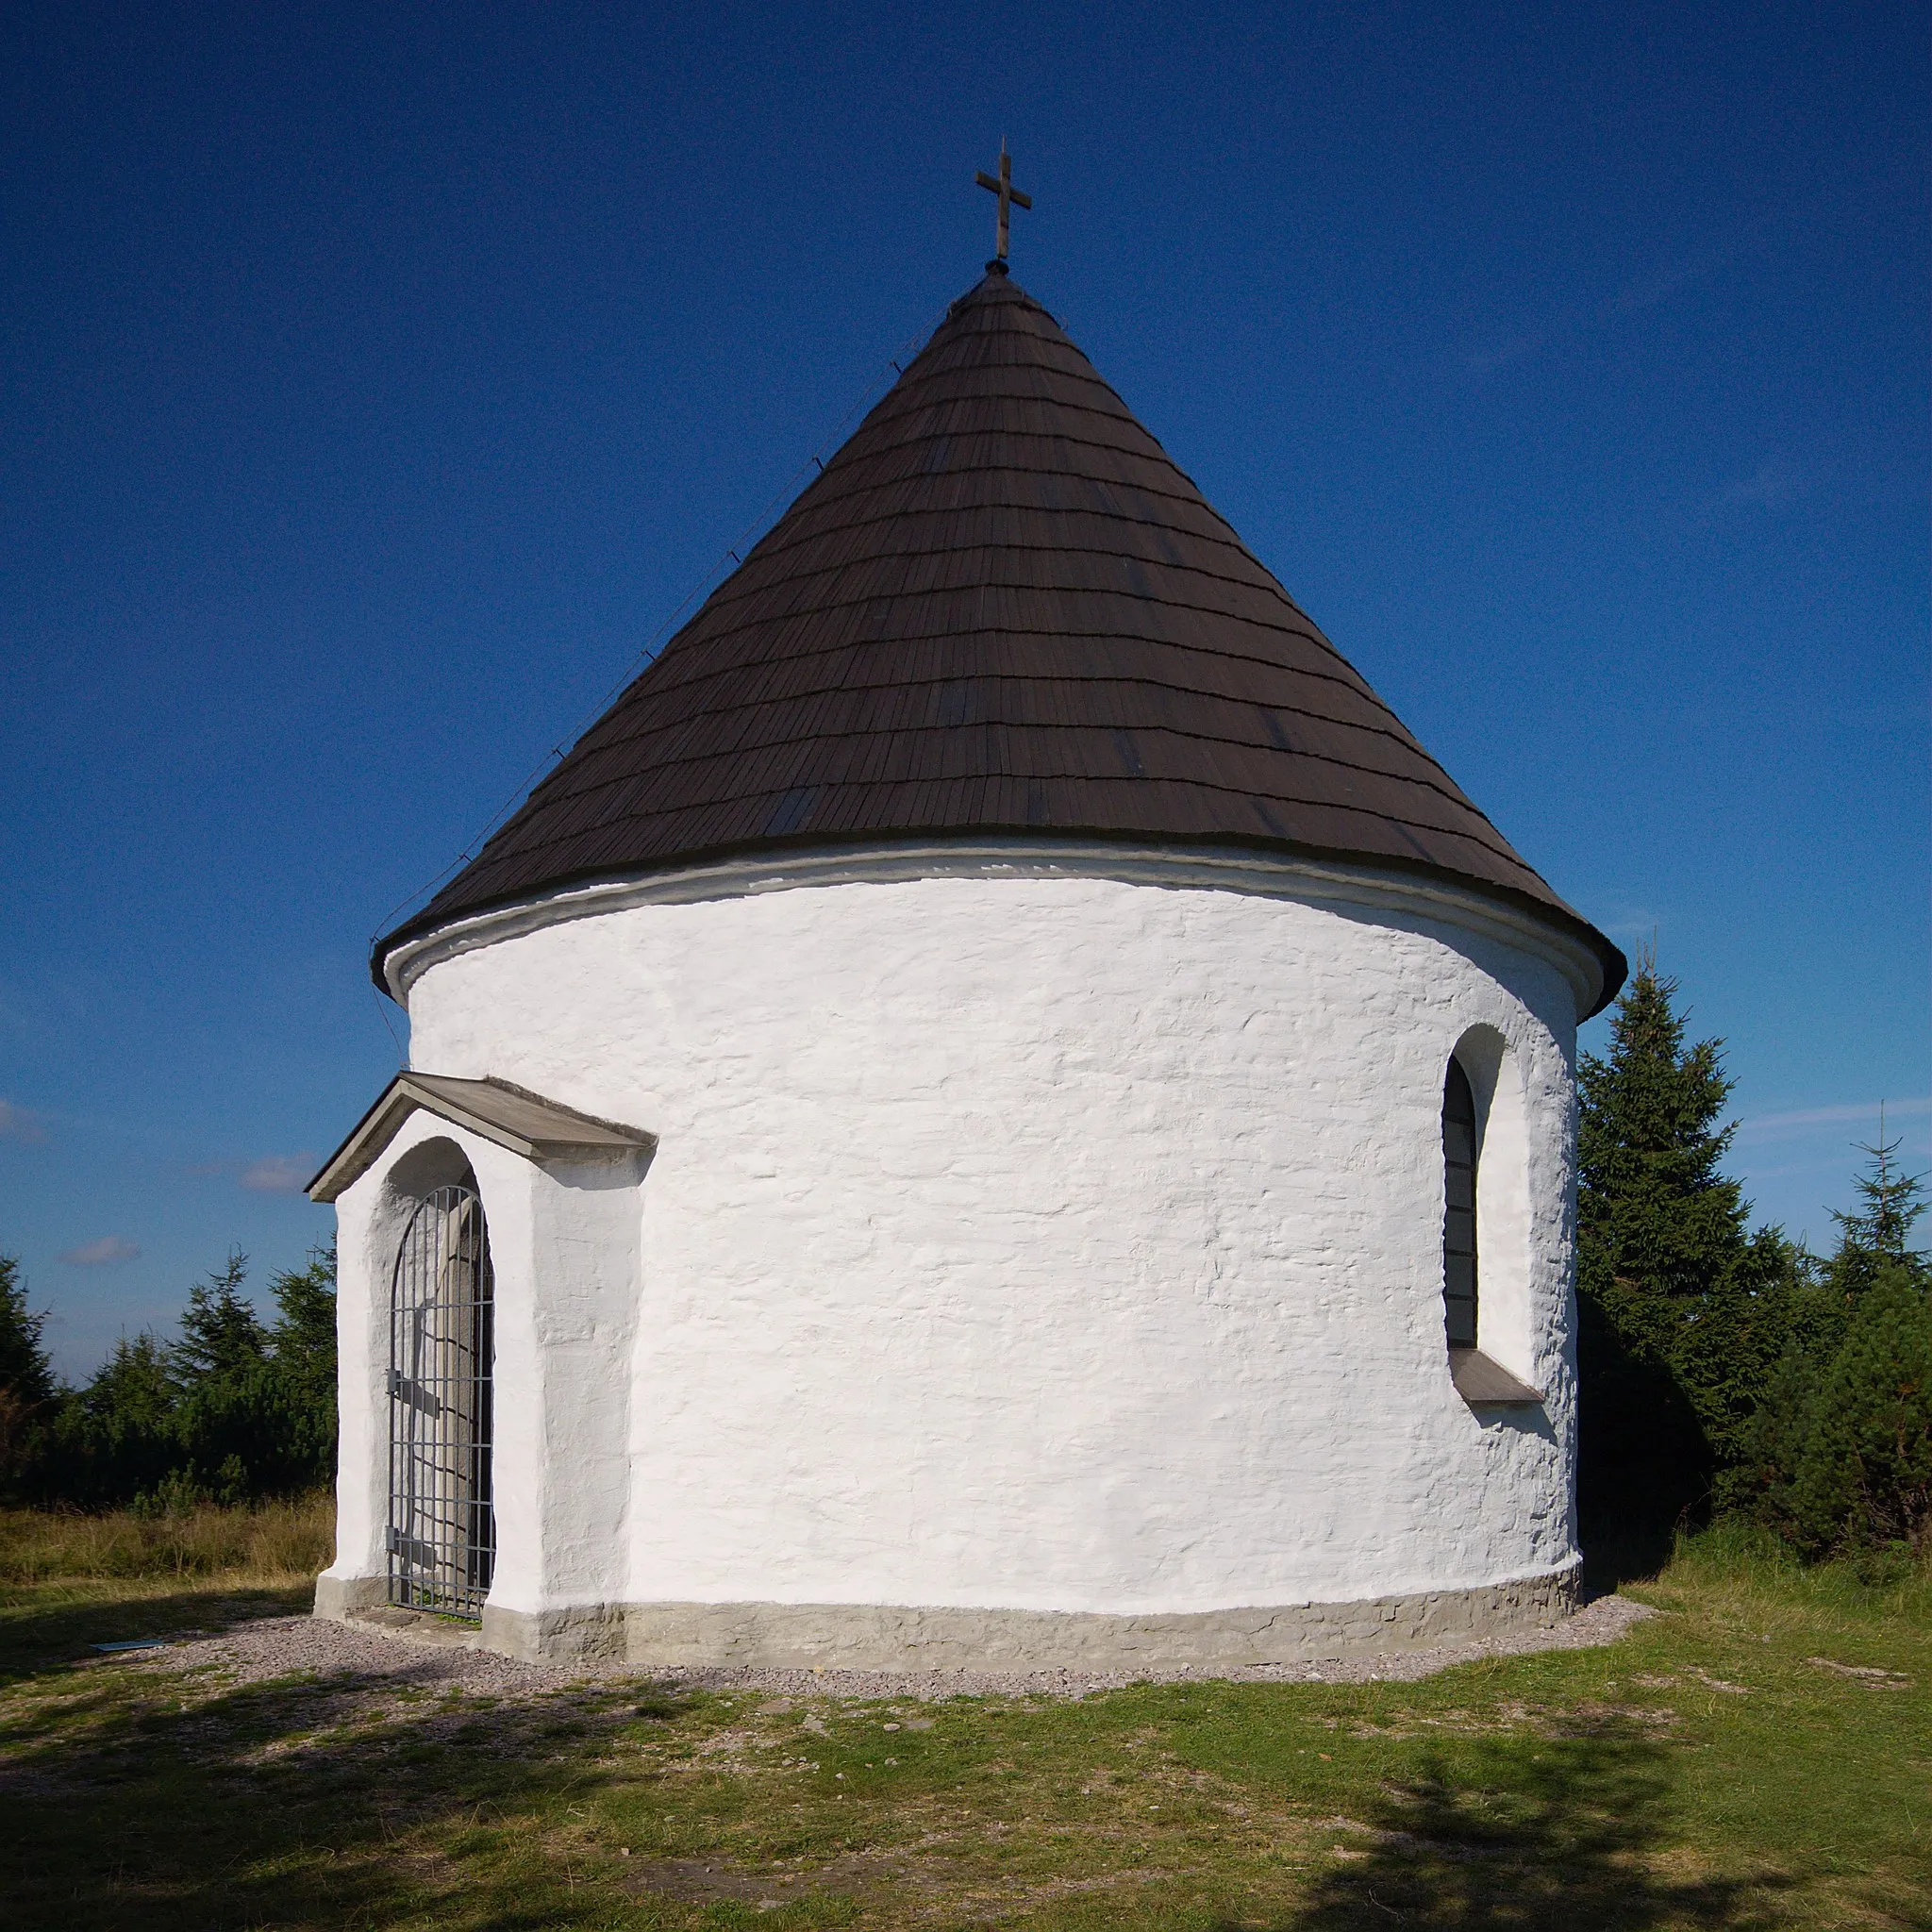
x,y
1484,1384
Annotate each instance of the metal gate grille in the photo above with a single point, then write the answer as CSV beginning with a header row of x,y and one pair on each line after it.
x,y
441,1525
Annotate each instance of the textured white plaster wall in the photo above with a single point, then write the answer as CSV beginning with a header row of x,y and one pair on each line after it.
x,y
1058,1243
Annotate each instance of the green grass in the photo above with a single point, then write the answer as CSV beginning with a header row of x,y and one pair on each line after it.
x,y
1708,1770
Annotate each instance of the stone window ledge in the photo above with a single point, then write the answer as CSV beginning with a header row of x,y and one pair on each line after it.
x,y
1484,1384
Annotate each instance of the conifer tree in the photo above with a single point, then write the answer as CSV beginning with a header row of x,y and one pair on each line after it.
x,y
115,1436
269,1428
259,1416
132,1391
1864,1475
1878,1233
234,1409
1774,1441
304,1337
1838,1456
27,1380
1729,1345
1661,1232
1660,1221
25,1370
304,1342
222,1336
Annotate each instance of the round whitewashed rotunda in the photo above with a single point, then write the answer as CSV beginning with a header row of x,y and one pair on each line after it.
x,y
997,1107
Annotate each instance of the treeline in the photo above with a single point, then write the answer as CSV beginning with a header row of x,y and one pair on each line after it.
x,y
1726,1370
235,1410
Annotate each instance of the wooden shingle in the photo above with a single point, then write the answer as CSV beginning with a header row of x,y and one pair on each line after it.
x,y
1000,608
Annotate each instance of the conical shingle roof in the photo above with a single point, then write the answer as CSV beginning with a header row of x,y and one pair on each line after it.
x,y
1001,609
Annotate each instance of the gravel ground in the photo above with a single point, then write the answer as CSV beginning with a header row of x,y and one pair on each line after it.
x,y
401,1660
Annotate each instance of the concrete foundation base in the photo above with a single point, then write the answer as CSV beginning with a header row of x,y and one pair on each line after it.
x,y
581,1633
338,1598
886,1638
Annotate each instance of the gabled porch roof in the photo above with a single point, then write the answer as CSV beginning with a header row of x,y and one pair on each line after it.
x,y
524,1122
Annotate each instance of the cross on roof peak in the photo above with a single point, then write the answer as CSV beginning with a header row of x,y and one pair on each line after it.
x,y
1010,196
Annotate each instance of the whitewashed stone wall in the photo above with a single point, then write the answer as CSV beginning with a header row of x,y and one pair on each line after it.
x,y
1054,1242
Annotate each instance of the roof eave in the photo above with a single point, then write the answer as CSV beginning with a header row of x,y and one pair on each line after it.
x,y
1610,959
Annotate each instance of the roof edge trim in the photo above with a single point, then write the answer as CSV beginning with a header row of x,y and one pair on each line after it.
x,y
1592,966
511,1116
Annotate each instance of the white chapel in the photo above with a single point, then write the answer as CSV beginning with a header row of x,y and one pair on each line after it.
x,y
997,1108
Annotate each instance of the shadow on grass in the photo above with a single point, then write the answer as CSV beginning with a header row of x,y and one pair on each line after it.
x,y
294,1802
39,1632
1575,1838
294,1805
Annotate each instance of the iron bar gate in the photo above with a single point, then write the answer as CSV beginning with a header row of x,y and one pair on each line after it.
x,y
442,1520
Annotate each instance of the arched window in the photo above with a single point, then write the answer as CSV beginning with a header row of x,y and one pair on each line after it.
x,y
441,1519
1459,1208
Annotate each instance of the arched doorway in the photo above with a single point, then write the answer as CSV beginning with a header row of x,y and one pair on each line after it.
x,y
442,1521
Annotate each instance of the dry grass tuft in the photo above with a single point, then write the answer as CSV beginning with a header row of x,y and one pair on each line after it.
x,y
265,1545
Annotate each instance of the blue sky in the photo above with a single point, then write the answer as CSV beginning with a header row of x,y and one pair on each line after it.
x,y
378,381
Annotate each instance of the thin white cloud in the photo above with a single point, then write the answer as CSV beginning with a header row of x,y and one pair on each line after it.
x,y
1580,319
1862,1113
97,1253
277,1173
267,1174
17,1123
1639,928
1772,482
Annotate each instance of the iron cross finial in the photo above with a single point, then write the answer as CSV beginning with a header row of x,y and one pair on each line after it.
x,y
1010,196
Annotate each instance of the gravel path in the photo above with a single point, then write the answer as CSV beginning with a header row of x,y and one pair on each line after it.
x,y
402,1661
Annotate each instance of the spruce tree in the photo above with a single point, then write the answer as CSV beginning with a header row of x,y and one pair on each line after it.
x,y
270,1429
132,1391
1774,1441
24,1371
27,1381
234,1409
1661,1238
304,1337
1729,1345
1877,1234
222,1336
1864,1475
258,1410
115,1437
1838,1456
